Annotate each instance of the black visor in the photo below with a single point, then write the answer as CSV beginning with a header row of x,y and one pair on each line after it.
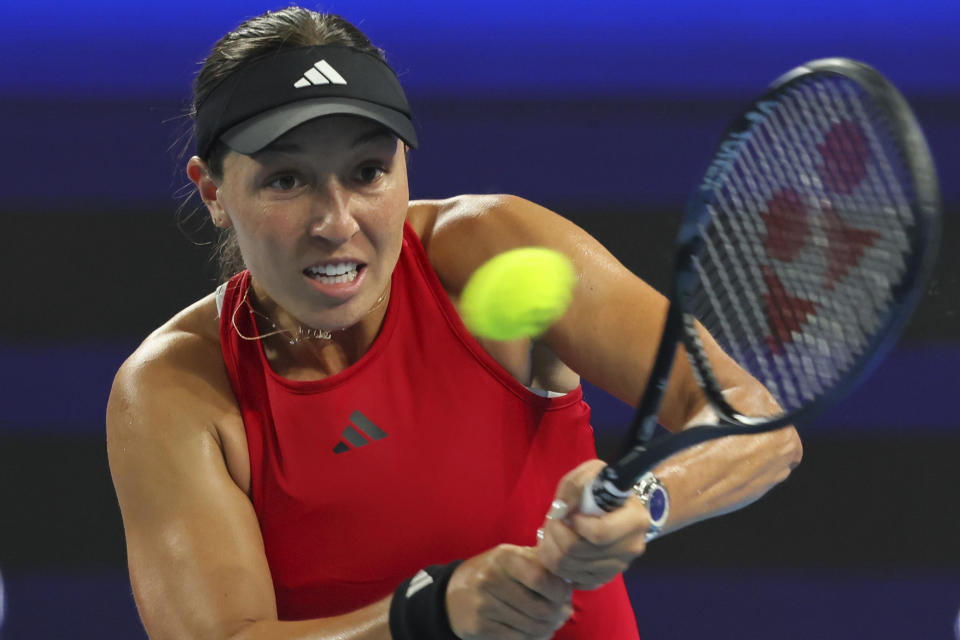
x,y
260,102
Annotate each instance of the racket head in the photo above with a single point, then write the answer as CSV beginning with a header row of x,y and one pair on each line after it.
x,y
810,240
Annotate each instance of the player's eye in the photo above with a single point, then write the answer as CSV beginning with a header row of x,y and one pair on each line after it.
x,y
284,182
370,173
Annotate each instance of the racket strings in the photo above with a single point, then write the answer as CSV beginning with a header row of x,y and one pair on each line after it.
x,y
882,184
878,188
888,187
741,229
805,240
718,287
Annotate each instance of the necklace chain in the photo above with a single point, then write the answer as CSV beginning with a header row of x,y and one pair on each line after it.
x,y
302,334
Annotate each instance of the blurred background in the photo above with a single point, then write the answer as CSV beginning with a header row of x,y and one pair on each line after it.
x,y
605,111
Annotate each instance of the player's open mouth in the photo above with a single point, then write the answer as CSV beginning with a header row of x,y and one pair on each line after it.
x,y
334,273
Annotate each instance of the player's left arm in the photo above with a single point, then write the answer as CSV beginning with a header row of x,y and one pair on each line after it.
x,y
609,336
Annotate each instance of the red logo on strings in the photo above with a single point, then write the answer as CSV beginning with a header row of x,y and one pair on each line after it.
x,y
785,313
845,245
845,153
786,222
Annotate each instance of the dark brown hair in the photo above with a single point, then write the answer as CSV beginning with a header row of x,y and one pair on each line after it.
x,y
254,39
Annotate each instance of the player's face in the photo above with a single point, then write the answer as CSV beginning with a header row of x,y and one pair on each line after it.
x,y
319,217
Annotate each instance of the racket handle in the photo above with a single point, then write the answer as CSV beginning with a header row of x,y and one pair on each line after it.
x,y
603,495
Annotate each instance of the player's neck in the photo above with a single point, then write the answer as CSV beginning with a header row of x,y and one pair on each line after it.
x,y
296,355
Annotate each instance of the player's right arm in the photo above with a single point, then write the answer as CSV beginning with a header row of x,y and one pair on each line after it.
x,y
196,557
194,550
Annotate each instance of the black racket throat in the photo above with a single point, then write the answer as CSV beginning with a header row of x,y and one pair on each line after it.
x,y
641,450
681,328
644,423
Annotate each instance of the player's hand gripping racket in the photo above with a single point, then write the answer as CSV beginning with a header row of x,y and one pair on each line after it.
x,y
803,252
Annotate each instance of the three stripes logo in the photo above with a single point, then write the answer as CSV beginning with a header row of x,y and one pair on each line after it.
x,y
353,435
418,582
320,73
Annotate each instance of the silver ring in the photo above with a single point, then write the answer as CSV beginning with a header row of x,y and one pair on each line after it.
x,y
558,510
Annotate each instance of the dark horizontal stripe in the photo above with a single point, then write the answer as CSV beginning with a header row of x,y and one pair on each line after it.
x,y
611,150
854,503
105,278
886,502
59,506
97,278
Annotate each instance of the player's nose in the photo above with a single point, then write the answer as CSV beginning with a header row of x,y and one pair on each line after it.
x,y
331,217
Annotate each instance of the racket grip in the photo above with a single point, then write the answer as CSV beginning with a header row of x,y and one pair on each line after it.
x,y
603,495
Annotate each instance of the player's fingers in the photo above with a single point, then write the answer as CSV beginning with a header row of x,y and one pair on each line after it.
x,y
569,557
484,601
530,604
583,573
521,595
551,549
525,568
586,537
570,487
611,529
527,612
572,557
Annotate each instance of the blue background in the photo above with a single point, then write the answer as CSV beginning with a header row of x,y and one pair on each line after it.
x,y
122,48
606,112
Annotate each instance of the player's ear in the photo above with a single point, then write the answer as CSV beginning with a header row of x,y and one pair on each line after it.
x,y
208,188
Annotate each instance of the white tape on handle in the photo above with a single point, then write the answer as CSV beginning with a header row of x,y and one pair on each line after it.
x,y
588,505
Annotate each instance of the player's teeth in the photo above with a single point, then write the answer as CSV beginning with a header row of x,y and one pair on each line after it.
x,y
349,276
334,269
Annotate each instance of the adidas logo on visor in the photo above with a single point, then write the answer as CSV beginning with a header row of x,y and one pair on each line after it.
x,y
319,73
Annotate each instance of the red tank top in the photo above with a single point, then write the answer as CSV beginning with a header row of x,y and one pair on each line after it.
x,y
424,451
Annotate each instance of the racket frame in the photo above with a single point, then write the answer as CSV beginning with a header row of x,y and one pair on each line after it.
x,y
613,485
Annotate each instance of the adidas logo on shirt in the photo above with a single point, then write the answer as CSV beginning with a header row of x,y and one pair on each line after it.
x,y
320,73
352,437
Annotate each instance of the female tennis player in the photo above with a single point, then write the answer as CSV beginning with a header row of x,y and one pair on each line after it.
x,y
319,449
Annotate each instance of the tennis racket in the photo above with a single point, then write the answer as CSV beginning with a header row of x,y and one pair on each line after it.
x,y
802,252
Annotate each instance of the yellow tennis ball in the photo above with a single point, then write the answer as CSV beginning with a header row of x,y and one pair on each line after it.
x,y
518,293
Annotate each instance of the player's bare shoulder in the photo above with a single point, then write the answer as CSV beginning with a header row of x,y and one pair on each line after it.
x,y
185,345
174,386
461,233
